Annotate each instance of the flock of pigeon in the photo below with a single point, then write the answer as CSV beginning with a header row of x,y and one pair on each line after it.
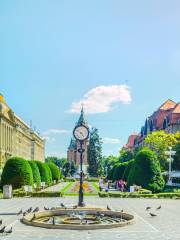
x,y
8,230
153,214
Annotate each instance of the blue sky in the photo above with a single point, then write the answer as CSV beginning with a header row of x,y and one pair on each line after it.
x,y
54,53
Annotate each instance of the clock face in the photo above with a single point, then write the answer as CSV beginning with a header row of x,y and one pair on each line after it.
x,y
81,133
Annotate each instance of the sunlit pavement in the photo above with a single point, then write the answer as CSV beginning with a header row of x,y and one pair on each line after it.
x,y
164,226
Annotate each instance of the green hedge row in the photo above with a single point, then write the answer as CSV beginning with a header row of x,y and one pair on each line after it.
x,y
19,172
46,194
143,171
136,195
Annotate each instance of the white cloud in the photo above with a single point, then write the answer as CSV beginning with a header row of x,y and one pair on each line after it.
x,y
54,132
108,140
102,99
49,139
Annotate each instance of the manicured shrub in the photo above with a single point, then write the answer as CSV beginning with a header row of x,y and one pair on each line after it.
x,y
49,173
146,171
46,194
17,172
54,171
36,173
44,172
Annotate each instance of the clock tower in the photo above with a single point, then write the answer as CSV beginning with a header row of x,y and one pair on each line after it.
x,y
72,152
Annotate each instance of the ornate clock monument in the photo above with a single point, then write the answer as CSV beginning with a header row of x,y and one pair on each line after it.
x,y
81,134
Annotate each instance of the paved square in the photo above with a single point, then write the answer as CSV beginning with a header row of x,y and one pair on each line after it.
x,y
164,227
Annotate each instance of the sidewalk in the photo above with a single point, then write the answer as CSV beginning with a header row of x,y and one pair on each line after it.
x,y
55,188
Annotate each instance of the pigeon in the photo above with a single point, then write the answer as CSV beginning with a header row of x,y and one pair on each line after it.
x,y
148,208
2,229
46,209
108,208
122,210
1,222
8,231
24,214
63,206
36,210
20,212
29,210
75,207
153,215
34,217
158,208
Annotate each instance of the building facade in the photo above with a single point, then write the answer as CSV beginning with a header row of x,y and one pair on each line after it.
x,y
166,117
72,152
17,138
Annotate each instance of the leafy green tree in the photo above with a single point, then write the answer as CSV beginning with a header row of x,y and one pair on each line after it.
x,y
36,173
127,170
66,169
73,168
58,161
119,171
159,141
176,162
17,172
146,171
94,153
108,163
126,155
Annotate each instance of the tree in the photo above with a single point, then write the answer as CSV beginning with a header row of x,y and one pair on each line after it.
x,y
58,161
119,171
146,171
159,141
126,155
17,172
73,168
36,173
127,170
176,162
94,153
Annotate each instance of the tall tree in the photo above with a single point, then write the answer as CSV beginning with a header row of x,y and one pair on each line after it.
x,y
159,142
94,153
126,155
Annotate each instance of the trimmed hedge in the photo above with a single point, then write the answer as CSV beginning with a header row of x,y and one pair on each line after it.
x,y
136,195
54,171
46,194
36,173
44,172
49,173
17,172
146,171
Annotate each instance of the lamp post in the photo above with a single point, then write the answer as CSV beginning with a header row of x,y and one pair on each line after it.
x,y
81,134
170,153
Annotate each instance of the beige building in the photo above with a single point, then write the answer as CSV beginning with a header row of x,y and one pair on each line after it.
x,y
17,138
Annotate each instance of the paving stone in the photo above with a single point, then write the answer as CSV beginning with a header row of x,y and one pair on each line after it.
x,y
163,227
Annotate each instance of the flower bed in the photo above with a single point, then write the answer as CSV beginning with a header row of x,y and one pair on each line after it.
x,y
87,188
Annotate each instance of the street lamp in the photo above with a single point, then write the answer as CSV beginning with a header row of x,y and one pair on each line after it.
x,y
81,134
170,153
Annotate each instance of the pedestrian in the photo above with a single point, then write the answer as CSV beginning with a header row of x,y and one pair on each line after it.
x,y
101,184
